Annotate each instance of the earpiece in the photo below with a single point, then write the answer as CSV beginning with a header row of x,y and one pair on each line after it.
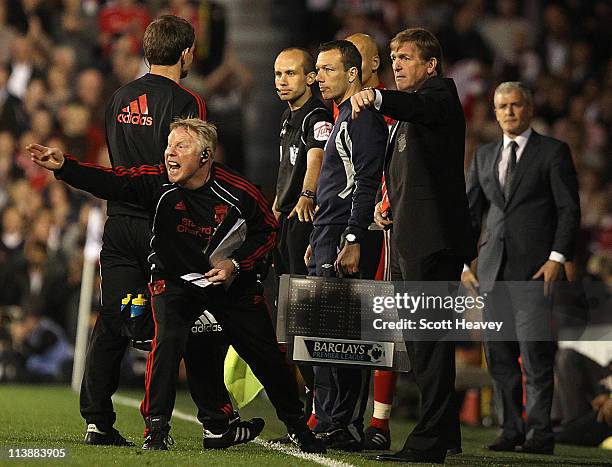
x,y
205,155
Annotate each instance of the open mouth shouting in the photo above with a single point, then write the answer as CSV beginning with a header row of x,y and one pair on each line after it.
x,y
173,167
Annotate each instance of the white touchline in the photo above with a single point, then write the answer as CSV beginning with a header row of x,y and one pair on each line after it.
x,y
316,458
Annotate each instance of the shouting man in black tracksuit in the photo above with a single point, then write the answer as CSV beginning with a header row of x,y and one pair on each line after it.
x,y
137,120
186,276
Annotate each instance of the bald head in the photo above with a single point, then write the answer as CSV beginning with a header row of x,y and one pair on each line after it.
x,y
370,60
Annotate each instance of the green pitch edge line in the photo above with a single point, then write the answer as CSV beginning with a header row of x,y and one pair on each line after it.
x,y
316,458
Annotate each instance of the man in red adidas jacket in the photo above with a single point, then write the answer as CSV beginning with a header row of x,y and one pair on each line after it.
x,y
201,198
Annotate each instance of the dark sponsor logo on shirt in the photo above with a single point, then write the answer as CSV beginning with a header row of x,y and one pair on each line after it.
x,y
190,227
322,130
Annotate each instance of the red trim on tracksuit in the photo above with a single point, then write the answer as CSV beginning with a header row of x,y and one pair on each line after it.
x,y
199,100
144,405
244,185
240,183
123,171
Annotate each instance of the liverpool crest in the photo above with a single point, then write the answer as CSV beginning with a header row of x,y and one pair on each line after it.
x,y
401,142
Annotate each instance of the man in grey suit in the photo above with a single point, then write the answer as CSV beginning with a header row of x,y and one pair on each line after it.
x,y
526,184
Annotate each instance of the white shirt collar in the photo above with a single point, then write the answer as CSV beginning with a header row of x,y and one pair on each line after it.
x,y
521,140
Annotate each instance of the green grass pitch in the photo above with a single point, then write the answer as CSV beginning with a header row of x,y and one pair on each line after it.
x,y
48,417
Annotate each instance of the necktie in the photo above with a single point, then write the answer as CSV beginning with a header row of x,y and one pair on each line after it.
x,y
510,169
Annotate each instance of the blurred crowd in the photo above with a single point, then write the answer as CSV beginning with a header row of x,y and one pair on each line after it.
x,y
561,49
60,60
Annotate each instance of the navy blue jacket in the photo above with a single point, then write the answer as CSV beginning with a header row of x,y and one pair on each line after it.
x,y
351,170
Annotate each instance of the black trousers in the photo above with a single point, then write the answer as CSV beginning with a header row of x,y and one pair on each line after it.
x,y
293,238
432,361
243,315
341,393
204,358
125,269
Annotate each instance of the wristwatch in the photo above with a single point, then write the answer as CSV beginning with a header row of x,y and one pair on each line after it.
x,y
308,194
351,239
236,266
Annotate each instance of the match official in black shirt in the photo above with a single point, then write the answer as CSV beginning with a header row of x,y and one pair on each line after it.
x,y
305,127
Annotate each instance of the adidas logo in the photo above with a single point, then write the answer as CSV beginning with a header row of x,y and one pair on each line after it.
x,y
180,206
379,439
137,113
243,434
206,323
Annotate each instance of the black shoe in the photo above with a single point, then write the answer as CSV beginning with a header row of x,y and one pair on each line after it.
x,y
376,439
239,432
454,451
532,446
410,455
158,438
234,417
306,440
504,444
342,439
112,437
281,440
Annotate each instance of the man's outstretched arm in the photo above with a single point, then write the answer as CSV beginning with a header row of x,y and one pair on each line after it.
x,y
136,185
430,107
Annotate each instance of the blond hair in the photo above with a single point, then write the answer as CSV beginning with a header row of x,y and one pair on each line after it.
x,y
205,132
